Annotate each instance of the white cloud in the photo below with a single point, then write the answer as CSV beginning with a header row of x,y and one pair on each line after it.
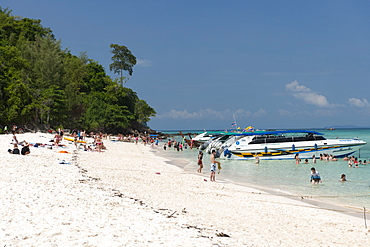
x,y
184,114
143,62
260,113
295,87
358,102
212,114
305,94
285,113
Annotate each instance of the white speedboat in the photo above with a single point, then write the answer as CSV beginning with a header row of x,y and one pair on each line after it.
x,y
287,143
222,142
206,136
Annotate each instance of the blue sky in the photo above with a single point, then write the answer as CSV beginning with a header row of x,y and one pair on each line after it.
x,y
271,64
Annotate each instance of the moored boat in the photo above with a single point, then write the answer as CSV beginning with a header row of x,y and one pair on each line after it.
x,y
286,144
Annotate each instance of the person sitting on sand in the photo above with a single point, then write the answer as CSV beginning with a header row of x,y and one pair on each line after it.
x,y
57,139
25,149
343,178
315,176
99,144
16,149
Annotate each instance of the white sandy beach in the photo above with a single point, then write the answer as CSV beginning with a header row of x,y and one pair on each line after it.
x,y
127,196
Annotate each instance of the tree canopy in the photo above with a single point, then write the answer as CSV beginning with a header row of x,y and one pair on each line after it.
x,y
45,86
123,60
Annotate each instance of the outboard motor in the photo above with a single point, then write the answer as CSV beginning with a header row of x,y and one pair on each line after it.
x,y
227,153
205,145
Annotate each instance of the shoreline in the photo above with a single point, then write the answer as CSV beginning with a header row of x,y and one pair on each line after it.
x,y
128,196
322,204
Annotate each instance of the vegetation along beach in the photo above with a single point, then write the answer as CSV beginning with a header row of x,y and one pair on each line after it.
x,y
80,165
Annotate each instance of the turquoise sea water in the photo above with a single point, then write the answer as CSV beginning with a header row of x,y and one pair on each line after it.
x,y
291,179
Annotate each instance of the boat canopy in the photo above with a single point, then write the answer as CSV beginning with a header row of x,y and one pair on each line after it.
x,y
277,132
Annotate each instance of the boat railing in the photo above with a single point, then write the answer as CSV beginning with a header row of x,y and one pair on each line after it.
x,y
274,139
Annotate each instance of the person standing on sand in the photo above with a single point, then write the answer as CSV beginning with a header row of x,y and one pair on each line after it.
x,y
213,166
14,140
200,161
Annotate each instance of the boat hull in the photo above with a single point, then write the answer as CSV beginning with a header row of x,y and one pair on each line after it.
x,y
275,151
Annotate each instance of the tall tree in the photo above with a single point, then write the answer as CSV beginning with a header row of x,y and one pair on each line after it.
x,y
143,112
123,60
13,92
46,82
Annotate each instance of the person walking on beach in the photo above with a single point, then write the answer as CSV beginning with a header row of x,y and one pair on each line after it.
x,y
213,166
200,161
315,176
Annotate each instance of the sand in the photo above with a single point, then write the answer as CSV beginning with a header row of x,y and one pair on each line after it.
x,y
127,196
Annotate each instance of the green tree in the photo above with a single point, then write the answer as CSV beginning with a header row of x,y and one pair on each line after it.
x,y
73,108
16,29
143,112
46,77
13,91
43,85
104,114
123,60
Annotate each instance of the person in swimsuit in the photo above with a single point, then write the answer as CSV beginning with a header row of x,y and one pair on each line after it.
x,y
57,139
213,166
200,162
315,176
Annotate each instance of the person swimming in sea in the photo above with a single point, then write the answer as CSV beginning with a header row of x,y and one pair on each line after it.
x,y
315,176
